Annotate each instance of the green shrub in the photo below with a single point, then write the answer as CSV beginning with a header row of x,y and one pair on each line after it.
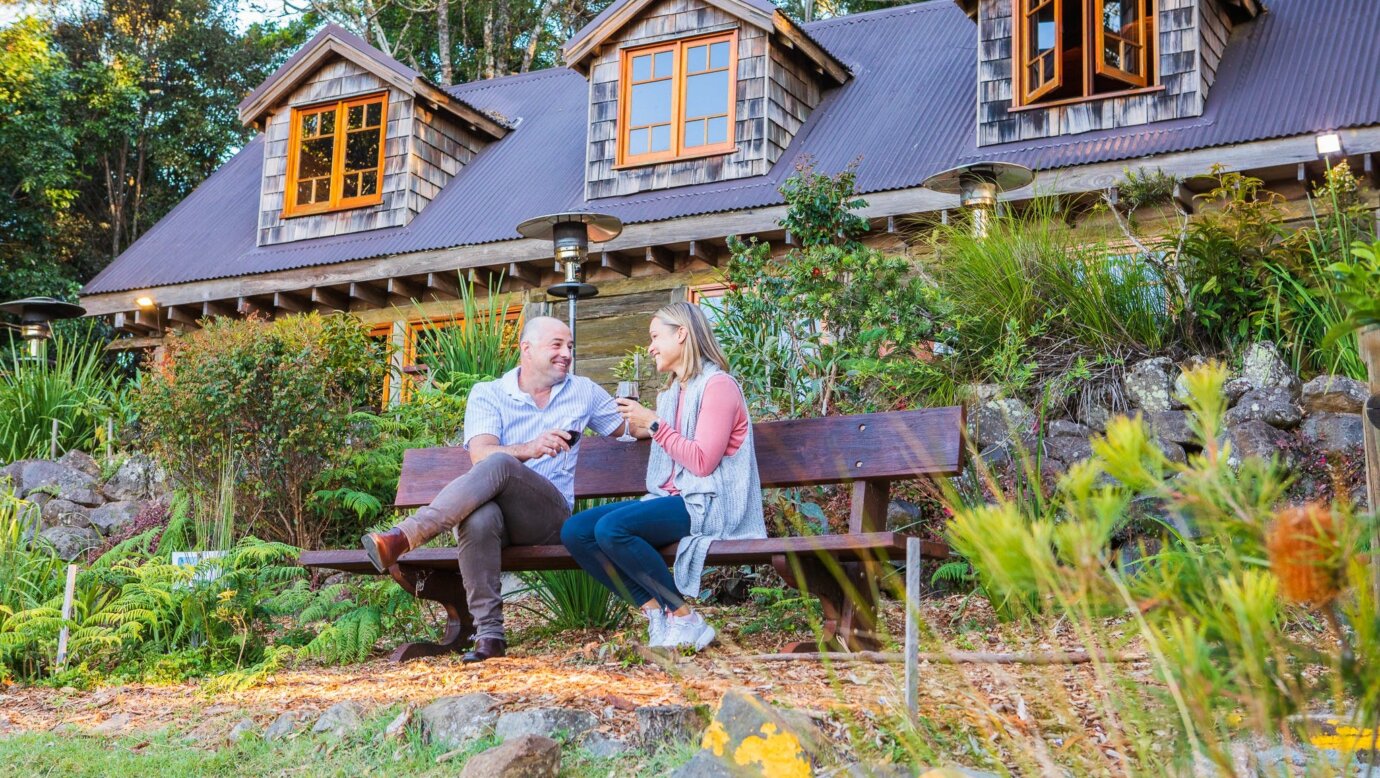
x,y
275,399
76,386
484,345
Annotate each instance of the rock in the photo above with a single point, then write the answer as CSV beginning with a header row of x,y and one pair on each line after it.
x,y
80,460
63,482
1095,415
901,515
660,725
1234,389
1172,451
11,476
1263,368
564,724
70,542
997,456
974,395
285,725
749,733
1068,450
1335,433
601,746
1149,384
65,513
137,478
341,719
455,721
245,728
1175,427
705,765
1002,420
1334,394
527,756
1258,439
1273,406
398,726
1062,428
113,725
114,515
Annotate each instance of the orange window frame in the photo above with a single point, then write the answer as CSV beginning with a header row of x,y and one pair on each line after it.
x,y
417,326
336,200
1092,40
1146,26
1025,12
679,79
385,331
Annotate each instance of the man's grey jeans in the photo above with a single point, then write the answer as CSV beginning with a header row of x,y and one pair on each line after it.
x,y
499,502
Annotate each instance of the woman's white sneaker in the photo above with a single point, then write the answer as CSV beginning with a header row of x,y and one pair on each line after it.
x,y
656,626
691,630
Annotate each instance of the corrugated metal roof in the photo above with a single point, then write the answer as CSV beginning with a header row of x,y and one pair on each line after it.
x,y
908,112
331,30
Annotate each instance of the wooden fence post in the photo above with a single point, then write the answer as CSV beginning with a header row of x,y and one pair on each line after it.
x,y
52,442
66,614
1370,352
913,627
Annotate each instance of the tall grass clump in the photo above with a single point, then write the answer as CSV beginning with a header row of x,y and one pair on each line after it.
x,y
483,344
73,384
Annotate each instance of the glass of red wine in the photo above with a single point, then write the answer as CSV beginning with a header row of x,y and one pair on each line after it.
x,y
627,390
572,430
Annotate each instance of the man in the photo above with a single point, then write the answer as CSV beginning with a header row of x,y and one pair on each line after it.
x,y
521,488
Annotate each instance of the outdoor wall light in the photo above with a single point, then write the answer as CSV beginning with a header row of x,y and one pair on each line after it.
x,y
570,234
1329,145
35,315
144,301
978,185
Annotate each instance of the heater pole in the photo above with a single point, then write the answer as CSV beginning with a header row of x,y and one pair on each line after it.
x,y
570,308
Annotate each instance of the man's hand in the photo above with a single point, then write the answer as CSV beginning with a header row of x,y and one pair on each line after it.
x,y
548,443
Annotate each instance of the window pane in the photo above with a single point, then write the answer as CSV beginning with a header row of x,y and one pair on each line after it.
x,y
637,141
718,55
362,150
663,65
642,67
661,137
694,133
373,114
1121,18
315,158
696,58
323,190
369,183
718,130
651,103
309,125
1045,26
328,122
354,117
351,188
1122,57
706,94
304,192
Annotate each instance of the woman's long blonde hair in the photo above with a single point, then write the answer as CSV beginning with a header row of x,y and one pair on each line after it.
x,y
700,343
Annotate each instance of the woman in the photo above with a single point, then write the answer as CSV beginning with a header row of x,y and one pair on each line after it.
x,y
701,478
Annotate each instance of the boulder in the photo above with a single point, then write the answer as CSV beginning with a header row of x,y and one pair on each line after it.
x,y
1175,427
70,542
974,395
113,516
1258,439
705,765
285,725
1273,406
1001,421
341,719
12,477
901,515
1149,384
1068,449
1234,389
63,482
661,725
528,756
398,726
1172,451
1335,433
453,722
749,733
65,513
244,728
1063,428
1095,415
80,460
1263,368
601,746
1334,394
564,724
137,478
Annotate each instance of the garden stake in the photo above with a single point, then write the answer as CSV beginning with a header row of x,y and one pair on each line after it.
x,y
912,626
52,441
109,435
66,614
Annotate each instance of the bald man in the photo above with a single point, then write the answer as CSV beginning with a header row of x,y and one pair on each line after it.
x,y
521,488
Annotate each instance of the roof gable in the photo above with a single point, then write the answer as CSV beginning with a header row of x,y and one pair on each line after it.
x,y
1241,10
334,42
758,13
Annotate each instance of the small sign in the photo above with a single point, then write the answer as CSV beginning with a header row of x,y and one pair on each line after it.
x,y
205,573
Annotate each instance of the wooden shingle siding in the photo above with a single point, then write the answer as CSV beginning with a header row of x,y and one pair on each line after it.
x,y
1192,34
773,97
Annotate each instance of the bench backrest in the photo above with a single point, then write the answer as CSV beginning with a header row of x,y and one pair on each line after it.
x,y
796,452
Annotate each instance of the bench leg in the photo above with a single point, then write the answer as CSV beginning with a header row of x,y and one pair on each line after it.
x,y
847,597
446,588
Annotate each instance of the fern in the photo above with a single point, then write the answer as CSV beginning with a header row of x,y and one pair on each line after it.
x,y
956,572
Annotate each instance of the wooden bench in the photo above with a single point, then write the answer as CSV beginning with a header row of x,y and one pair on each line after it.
x,y
867,451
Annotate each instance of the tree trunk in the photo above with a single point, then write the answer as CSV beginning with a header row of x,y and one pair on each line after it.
x,y
443,41
488,62
535,36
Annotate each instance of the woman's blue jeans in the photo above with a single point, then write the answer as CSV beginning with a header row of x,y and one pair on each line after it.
x,y
618,545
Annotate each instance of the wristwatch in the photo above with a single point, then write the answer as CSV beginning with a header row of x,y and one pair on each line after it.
x,y
654,426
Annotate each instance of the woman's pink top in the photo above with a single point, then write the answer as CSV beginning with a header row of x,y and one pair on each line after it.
x,y
720,431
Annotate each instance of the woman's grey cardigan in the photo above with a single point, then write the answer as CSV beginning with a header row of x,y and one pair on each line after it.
x,y
724,505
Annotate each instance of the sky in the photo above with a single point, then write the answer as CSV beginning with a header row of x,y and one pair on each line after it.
x,y
251,11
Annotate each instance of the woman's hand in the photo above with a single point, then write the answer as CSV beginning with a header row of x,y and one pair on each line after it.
x,y
640,416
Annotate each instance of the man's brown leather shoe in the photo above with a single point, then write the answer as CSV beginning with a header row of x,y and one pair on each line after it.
x,y
485,648
384,548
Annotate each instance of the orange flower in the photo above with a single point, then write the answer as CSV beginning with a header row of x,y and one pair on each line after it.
x,y
1303,554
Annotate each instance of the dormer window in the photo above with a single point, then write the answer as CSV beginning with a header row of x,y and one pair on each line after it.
x,y
335,157
1068,50
677,100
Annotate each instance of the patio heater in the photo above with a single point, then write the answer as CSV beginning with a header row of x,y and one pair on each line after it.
x,y
978,185
571,233
35,315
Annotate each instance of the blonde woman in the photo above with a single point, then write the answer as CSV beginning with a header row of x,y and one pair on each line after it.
x,y
702,484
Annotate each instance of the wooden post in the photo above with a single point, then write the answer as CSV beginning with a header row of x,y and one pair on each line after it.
x,y
1370,352
109,438
66,614
913,627
52,441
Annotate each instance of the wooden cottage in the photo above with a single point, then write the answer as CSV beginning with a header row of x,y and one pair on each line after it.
x,y
371,190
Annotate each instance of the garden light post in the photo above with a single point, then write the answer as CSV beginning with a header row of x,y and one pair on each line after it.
x,y
571,233
35,317
978,185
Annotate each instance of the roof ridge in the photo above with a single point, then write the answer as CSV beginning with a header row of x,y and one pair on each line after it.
x,y
880,13
496,81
